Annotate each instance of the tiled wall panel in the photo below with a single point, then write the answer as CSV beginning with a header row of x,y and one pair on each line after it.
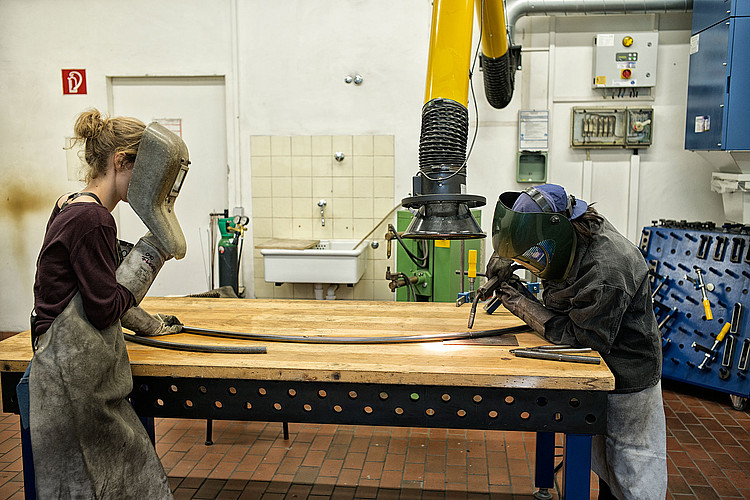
x,y
290,174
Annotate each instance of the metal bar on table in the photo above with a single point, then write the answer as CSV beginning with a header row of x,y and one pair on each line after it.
x,y
552,356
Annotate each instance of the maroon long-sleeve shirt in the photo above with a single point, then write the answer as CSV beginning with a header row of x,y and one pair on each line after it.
x,y
79,254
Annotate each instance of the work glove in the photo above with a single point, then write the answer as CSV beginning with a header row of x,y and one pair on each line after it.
x,y
144,324
521,303
498,271
140,267
499,267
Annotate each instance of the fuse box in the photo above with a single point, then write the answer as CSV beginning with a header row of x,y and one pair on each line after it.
x,y
700,277
611,127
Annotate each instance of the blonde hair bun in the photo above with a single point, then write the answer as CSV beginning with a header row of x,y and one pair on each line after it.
x,y
104,137
89,124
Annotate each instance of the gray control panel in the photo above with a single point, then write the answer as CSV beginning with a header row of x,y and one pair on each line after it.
x,y
625,59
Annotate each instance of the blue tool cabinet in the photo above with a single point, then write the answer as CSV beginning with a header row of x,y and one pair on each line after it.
x,y
719,78
675,251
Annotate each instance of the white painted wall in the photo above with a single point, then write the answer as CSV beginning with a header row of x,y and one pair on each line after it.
x,y
284,64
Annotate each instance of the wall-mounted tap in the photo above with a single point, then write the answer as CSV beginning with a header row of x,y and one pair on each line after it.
x,y
322,205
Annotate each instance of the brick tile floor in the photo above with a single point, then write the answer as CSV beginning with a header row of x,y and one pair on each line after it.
x,y
708,448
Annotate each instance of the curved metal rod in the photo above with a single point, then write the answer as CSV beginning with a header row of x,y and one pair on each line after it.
x,y
397,339
176,346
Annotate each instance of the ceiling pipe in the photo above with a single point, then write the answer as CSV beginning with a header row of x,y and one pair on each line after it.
x,y
516,9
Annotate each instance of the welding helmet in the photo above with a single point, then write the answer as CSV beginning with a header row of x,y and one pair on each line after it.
x,y
159,171
533,228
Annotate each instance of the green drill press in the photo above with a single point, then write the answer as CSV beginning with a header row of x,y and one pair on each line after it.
x,y
432,272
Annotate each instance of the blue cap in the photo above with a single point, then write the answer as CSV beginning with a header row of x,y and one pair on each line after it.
x,y
555,196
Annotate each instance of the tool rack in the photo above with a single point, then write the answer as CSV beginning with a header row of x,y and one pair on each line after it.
x,y
700,276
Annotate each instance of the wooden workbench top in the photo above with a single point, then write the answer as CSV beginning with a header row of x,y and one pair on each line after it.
x,y
433,363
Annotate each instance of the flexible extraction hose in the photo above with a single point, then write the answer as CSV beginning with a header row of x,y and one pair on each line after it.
x,y
176,346
499,62
396,339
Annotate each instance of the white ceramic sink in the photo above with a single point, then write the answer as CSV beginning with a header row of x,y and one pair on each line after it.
x,y
330,261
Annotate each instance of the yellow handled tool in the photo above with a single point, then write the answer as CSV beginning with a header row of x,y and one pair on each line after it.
x,y
472,264
707,307
719,338
723,333
702,287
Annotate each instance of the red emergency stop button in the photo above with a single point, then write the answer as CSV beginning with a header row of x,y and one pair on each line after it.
x,y
626,74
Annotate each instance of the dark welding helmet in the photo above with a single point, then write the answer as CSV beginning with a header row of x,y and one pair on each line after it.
x,y
533,228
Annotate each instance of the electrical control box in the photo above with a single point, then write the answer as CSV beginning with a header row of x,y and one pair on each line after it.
x,y
625,59
611,127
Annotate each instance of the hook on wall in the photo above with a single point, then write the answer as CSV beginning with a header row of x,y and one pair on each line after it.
x,y
356,79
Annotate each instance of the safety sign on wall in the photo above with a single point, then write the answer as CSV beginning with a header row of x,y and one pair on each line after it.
x,y
74,81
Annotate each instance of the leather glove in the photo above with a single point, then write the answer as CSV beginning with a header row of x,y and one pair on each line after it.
x,y
140,267
144,324
498,271
500,267
530,310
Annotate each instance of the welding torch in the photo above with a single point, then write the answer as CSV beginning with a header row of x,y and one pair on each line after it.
x,y
487,290
483,291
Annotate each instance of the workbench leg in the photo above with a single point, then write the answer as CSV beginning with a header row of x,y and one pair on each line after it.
x,y
544,475
576,467
148,423
29,478
209,432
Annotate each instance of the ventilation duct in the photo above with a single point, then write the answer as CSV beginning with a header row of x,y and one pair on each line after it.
x,y
516,9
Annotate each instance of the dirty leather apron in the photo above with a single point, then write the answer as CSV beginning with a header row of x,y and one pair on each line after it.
x,y
86,438
632,457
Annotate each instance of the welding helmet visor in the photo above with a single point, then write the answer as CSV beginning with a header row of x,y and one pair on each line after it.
x,y
159,171
542,242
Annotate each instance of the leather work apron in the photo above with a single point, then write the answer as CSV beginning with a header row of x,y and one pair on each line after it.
x,y
86,438
632,457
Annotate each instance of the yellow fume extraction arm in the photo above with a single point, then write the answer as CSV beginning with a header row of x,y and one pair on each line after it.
x,y
439,188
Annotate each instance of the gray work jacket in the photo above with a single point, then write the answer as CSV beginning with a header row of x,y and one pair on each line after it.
x,y
605,303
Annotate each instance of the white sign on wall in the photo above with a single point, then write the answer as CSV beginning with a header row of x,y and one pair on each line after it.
x,y
533,130
173,124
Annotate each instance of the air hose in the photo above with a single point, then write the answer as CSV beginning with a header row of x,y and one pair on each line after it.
x,y
303,339
395,339
419,261
152,342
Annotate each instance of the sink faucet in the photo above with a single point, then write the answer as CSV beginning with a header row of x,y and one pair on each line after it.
x,y
322,204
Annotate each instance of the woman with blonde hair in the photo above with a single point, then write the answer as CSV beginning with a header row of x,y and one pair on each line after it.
x,y
86,439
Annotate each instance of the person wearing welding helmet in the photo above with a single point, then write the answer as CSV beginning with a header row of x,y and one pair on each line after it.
x,y
596,293
86,439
